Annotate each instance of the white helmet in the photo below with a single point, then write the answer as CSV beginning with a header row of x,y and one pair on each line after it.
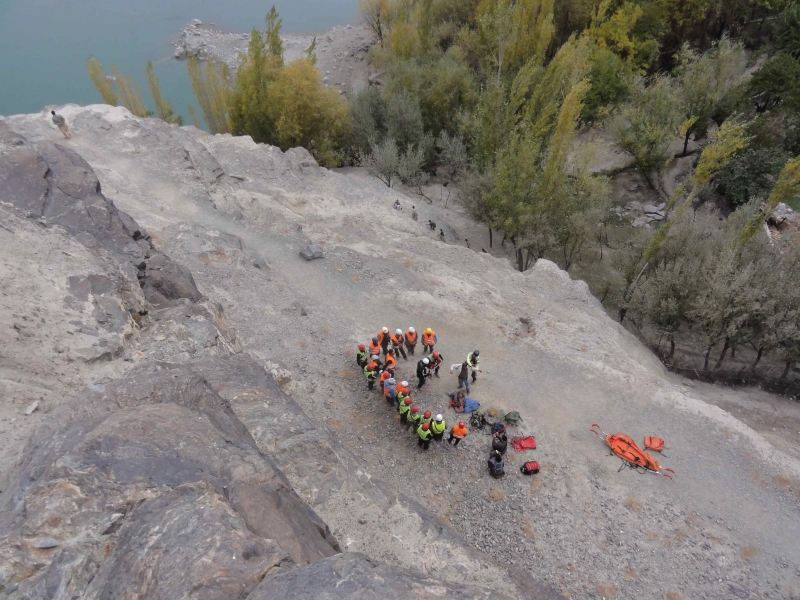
x,y
374,357
411,329
405,384
425,361
385,330
391,381
439,417
399,332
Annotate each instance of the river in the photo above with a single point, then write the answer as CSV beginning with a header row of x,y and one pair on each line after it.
x,y
44,44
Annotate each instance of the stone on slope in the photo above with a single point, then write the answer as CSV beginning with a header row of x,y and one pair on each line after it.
x,y
312,252
151,487
354,575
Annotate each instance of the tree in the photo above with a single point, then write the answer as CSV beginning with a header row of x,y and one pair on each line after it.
x,y
101,81
368,115
164,108
647,125
609,80
787,187
498,31
129,93
248,98
410,169
212,88
404,119
383,162
272,37
376,15
707,81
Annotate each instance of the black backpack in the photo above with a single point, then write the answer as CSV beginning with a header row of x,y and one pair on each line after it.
x,y
530,468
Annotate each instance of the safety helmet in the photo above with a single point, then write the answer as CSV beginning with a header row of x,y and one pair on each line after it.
x,y
407,401
476,353
385,330
427,414
439,418
371,365
429,331
399,331
436,354
425,427
461,423
425,361
415,409
374,340
374,357
404,384
411,329
362,347
406,391
391,381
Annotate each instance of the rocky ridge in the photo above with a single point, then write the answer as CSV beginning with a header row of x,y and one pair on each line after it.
x,y
213,202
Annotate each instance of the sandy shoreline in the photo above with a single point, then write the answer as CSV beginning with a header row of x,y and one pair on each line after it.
x,y
341,51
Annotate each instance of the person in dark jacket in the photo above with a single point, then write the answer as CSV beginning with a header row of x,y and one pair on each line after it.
x,y
500,442
496,466
422,372
61,123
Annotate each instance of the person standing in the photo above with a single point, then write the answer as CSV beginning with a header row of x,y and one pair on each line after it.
x,y
429,339
457,433
414,214
61,123
438,427
432,225
391,361
371,373
422,372
474,362
463,374
424,433
374,347
362,358
435,360
466,241
398,339
411,340
414,418
389,391
383,338
441,234
427,417
405,409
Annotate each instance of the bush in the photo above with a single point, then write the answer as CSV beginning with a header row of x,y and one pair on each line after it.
x,y
609,84
368,115
751,174
404,119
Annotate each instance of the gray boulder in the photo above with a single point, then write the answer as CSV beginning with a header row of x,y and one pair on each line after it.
x,y
312,252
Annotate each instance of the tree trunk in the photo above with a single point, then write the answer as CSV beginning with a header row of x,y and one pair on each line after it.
x,y
733,350
722,354
757,360
708,355
686,142
520,261
490,237
786,370
671,348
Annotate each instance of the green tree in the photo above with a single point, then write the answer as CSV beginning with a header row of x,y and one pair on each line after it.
x,y
383,162
101,81
129,93
376,15
272,36
368,115
212,89
404,119
610,80
164,108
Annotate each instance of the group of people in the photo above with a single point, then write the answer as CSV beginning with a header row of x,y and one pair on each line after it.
x,y
398,394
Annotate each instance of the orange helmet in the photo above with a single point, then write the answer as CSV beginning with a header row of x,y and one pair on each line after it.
x,y
427,414
415,409
362,347
424,427
407,401
461,423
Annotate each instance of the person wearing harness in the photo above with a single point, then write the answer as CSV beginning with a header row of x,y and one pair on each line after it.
x,y
362,358
411,340
422,372
438,427
428,340
474,362
424,433
397,344
436,360
371,373
457,433
496,465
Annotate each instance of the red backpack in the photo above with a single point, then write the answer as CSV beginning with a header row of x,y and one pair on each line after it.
x,y
530,468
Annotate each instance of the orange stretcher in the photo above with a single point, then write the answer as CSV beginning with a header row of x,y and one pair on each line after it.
x,y
631,455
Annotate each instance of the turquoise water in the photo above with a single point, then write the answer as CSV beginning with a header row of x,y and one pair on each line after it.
x,y
44,44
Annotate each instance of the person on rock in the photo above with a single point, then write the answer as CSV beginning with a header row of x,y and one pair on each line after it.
x,y
411,340
61,123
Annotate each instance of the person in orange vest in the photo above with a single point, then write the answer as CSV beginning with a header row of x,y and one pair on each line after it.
x,y
374,347
371,373
362,358
397,344
389,391
391,361
428,340
384,338
411,340
385,376
378,364
457,433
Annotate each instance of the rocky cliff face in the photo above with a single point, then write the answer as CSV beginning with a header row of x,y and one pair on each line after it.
x,y
235,214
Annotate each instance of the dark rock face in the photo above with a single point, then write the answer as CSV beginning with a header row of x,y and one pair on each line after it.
x,y
55,185
356,576
312,252
151,488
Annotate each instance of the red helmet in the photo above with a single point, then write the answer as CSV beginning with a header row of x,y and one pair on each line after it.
x,y
436,354
407,401
415,409
427,414
406,390
362,347
461,423
424,427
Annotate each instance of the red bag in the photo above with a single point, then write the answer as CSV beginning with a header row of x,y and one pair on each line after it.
x,y
653,443
530,468
523,443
